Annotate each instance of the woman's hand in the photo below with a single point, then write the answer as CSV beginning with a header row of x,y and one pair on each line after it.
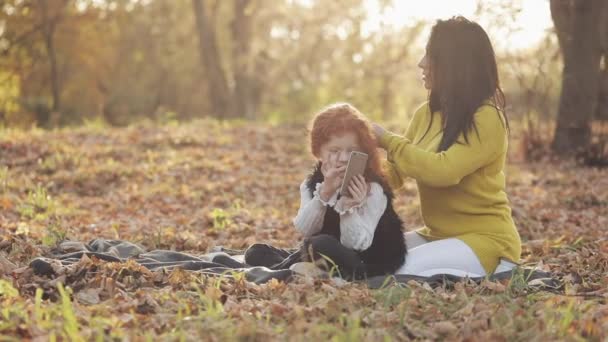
x,y
358,190
379,131
332,177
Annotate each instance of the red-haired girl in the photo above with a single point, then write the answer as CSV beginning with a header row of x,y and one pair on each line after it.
x,y
360,233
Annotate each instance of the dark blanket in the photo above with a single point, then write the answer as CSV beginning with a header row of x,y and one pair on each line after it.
x,y
222,261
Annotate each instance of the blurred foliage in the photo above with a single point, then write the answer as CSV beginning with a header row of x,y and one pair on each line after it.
x,y
72,62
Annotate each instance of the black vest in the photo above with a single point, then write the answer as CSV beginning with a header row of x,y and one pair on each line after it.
x,y
387,251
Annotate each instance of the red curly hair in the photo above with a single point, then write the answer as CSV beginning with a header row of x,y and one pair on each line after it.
x,y
341,118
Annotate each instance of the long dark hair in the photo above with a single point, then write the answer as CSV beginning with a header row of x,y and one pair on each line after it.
x,y
463,75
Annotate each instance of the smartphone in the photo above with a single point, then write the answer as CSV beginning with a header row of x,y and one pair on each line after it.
x,y
356,166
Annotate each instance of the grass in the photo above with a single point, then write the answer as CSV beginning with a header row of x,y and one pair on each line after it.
x,y
38,205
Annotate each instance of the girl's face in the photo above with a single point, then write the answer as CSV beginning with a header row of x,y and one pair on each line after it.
x,y
339,147
426,71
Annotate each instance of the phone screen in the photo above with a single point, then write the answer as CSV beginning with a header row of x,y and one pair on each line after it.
x,y
356,166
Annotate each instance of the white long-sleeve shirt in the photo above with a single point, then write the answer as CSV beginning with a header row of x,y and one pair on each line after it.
x,y
357,223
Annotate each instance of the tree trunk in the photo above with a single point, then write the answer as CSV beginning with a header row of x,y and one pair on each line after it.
x,y
48,31
388,102
602,103
241,34
219,92
602,106
577,24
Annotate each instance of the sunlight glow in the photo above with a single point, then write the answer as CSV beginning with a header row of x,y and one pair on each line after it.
x,y
528,27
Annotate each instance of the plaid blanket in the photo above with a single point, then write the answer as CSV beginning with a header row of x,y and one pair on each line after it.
x,y
224,261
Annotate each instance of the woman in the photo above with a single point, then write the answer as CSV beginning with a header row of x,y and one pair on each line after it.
x,y
360,232
455,148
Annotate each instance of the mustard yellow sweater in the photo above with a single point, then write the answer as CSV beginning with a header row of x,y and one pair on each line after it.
x,y
462,190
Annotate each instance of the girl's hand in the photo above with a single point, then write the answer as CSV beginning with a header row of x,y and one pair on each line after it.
x,y
332,175
358,190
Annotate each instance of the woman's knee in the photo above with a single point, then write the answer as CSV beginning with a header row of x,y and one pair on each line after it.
x,y
447,255
413,240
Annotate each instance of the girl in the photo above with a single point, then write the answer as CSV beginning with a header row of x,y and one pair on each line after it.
x,y
455,148
360,233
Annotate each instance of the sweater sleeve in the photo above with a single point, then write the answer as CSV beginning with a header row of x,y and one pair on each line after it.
x,y
309,219
447,168
395,181
358,224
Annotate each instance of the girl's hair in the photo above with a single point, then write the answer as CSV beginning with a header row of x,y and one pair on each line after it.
x,y
463,75
341,118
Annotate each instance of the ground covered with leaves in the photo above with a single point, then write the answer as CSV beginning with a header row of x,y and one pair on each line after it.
x,y
195,186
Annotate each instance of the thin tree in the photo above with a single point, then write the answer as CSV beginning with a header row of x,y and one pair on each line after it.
x,y
219,92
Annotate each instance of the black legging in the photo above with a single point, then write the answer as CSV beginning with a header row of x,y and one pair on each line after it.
x,y
346,260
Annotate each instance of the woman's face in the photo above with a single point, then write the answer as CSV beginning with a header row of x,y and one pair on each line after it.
x,y
339,147
426,71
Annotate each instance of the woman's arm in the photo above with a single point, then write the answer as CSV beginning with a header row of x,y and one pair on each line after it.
x,y
447,168
358,223
395,181
309,219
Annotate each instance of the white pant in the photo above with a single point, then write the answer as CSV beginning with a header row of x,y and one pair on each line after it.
x,y
447,256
